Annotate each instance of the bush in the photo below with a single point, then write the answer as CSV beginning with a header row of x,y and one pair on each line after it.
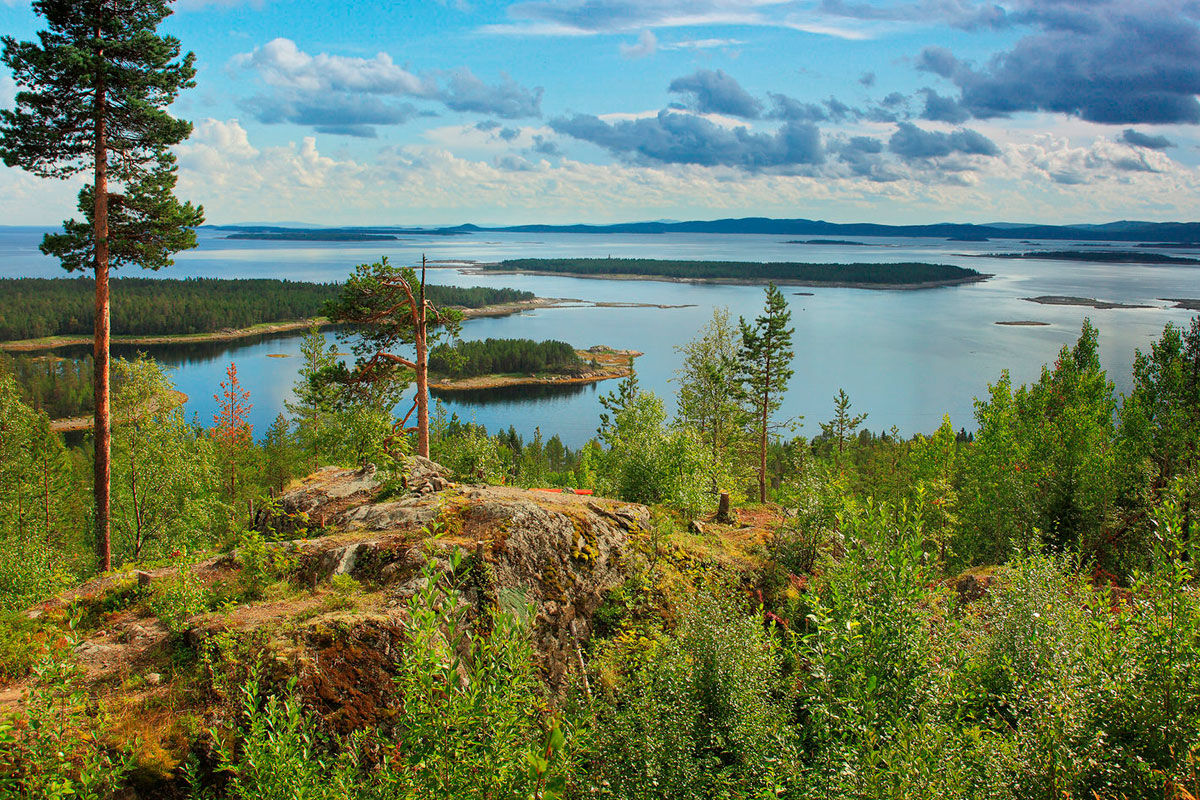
x,y
702,714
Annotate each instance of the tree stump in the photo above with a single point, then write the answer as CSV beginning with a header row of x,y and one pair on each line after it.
x,y
723,515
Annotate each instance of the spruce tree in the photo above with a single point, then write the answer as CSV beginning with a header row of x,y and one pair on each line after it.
x,y
94,89
764,362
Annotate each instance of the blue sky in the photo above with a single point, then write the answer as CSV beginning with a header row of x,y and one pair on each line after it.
x,y
612,110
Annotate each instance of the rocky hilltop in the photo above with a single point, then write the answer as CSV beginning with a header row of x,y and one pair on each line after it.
x,y
549,557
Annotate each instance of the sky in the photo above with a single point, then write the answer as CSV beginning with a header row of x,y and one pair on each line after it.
x,y
559,111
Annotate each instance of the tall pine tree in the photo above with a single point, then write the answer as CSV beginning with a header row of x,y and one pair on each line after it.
x,y
765,359
94,89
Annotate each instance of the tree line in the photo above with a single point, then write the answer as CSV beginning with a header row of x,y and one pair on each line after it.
x,y
883,274
32,308
466,359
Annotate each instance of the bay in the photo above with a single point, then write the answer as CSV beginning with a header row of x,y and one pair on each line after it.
x,y
905,357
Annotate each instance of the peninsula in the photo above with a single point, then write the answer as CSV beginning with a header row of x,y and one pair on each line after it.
x,y
1098,257
909,275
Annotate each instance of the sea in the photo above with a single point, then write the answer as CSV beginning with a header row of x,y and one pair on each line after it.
x,y
907,358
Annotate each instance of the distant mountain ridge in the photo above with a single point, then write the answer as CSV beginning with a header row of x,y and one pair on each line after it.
x,y
1120,231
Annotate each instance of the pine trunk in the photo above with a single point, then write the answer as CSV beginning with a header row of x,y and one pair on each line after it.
x,y
102,473
419,326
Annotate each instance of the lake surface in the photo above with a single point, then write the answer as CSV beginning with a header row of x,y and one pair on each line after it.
x,y
904,357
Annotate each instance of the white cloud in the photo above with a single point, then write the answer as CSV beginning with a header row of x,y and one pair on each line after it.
x,y
646,45
282,64
437,183
700,44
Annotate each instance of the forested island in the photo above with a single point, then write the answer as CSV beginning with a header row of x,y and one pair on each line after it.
x,y
314,236
1103,257
493,363
37,308
839,242
909,275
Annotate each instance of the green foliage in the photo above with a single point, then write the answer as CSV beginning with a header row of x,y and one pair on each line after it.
x,y
22,644
467,359
703,713
164,471
1042,466
40,523
472,722
648,461
467,450
177,600
710,398
55,748
62,387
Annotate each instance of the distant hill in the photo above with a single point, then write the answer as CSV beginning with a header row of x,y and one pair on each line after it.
x,y
1120,231
1124,231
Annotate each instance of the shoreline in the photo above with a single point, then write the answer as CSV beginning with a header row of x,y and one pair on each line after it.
x,y
983,276
267,328
612,364
224,335
87,421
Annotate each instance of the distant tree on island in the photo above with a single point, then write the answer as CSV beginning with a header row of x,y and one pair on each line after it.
x,y
94,93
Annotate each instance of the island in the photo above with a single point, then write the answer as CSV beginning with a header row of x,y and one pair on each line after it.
x,y
1108,257
1087,302
495,363
314,236
838,242
908,275
1021,323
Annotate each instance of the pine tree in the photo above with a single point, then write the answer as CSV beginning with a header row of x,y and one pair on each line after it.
x,y
843,424
764,361
94,89
389,308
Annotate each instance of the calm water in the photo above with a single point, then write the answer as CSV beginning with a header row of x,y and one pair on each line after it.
x,y
905,357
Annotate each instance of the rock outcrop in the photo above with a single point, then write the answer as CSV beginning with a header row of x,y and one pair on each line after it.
x,y
559,552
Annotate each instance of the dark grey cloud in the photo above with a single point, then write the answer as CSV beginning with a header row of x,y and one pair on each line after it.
x,y
507,99
545,147
337,113
789,108
1105,61
675,138
1138,139
911,142
863,156
487,125
717,93
943,109
508,134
